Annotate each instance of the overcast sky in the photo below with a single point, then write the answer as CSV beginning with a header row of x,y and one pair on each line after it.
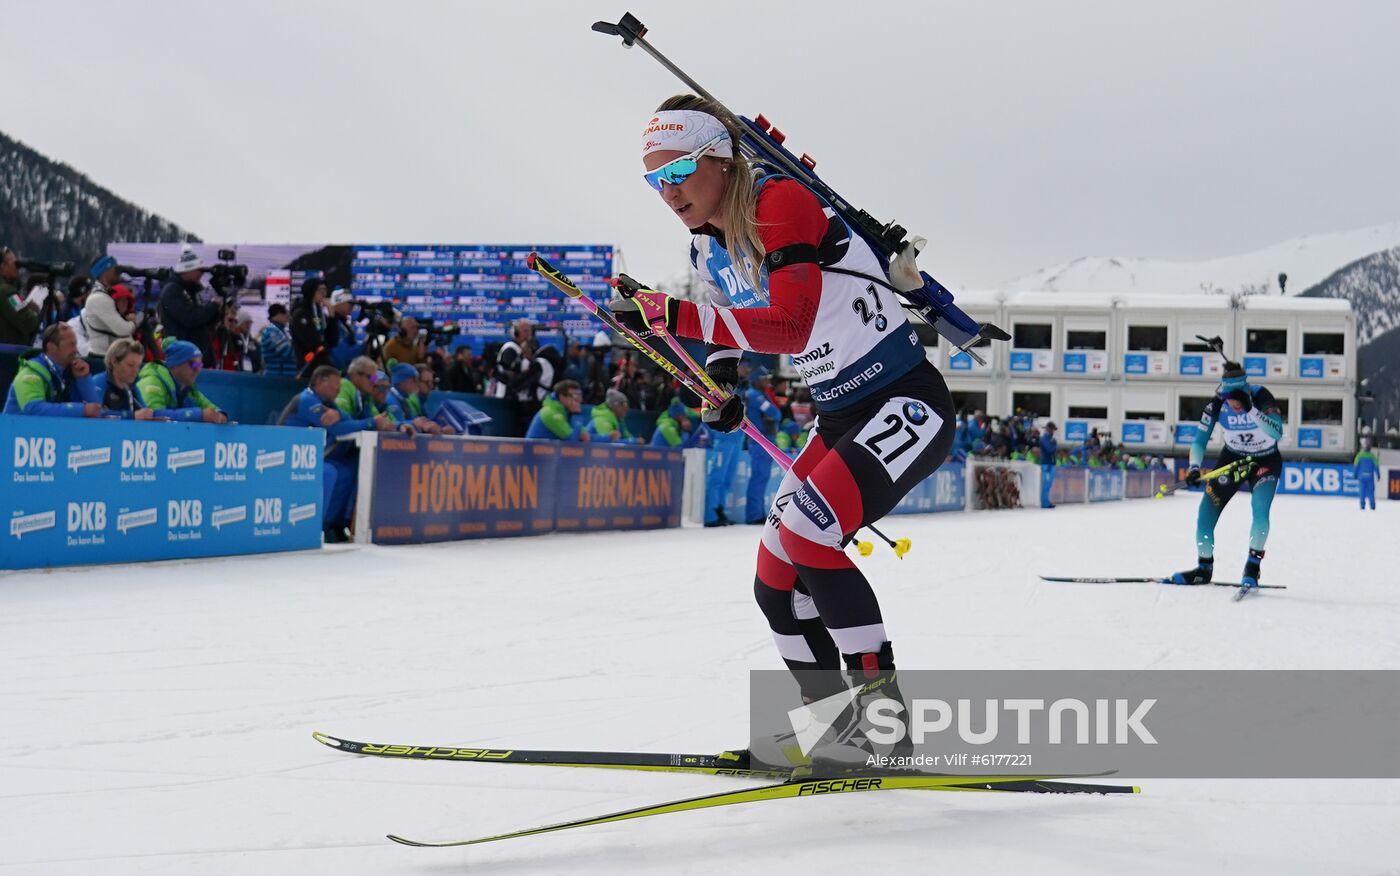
x,y
1012,135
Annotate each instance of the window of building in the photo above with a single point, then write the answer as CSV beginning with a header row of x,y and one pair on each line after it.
x,y
1084,412
1323,343
1086,340
967,402
1266,341
1190,407
1144,415
1147,338
1031,336
1034,403
1323,411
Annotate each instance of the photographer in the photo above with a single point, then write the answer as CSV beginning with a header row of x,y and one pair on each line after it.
x,y
19,314
463,376
231,341
182,314
52,381
409,346
101,318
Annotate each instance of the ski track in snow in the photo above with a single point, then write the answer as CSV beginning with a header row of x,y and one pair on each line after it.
x,y
157,718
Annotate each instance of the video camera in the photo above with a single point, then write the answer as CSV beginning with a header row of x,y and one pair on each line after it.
x,y
228,278
378,315
441,335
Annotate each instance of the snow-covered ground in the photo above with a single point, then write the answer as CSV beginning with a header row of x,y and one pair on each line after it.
x,y
157,719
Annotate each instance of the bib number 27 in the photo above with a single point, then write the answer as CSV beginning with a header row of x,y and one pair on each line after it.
x,y
899,433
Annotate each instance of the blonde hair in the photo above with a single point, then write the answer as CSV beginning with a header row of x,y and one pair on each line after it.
x,y
738,209
120,349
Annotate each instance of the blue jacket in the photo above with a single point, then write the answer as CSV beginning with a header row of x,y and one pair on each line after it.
x,y
308,413
1048,448
761,411
277,354
99,387
1366,468
41,389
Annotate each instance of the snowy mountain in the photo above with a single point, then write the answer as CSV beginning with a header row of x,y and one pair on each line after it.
x,y
1372,285
50,211
1307,261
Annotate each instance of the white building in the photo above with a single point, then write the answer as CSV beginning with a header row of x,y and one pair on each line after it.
x,y
1134,367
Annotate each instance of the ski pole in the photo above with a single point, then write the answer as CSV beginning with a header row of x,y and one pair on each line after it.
x,y
1167,489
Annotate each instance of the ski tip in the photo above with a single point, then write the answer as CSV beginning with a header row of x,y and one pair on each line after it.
x,y
325,739
404,842
531,260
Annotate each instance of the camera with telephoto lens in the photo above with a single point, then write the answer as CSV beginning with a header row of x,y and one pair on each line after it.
x,y
378,316
35,267
159,275
228,279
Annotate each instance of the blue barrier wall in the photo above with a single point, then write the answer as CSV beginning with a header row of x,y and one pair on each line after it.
x,y
112,491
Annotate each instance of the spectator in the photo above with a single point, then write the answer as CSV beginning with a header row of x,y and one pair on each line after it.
x,y
275,344
513,363
182,314
169,387
76,299
760,411
1049,449
126,305
103,322
356,398
116,386
576,364
341,341
609,420
674,428
409,345
791,438
231,342
19,314
560,417
52,381
427,384
316,408
309,323
464,375
402,400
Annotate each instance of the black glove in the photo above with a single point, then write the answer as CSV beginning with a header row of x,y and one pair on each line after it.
x,y
724,371
1193,476
1241,395
727,417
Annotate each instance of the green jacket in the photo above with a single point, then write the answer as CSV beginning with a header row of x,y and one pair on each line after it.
x,y
605,423
36,391
354,404
18,324
553,420
167,398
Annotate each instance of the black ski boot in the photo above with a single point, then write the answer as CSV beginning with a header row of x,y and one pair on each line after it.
x,y
848,745
1205,567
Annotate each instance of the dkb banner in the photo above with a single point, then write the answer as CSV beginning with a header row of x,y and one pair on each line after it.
x,y
1166,724
116,491
1106,484
944,490
612,486
437,489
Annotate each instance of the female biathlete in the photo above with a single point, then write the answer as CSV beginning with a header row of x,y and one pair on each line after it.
x,y
789,276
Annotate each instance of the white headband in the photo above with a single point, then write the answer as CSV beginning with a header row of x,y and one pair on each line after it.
x,y
685,131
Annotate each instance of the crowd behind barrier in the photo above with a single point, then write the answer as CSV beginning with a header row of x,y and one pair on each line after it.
x,y
95,350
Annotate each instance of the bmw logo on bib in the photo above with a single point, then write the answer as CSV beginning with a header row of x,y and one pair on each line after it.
x,y
916,413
